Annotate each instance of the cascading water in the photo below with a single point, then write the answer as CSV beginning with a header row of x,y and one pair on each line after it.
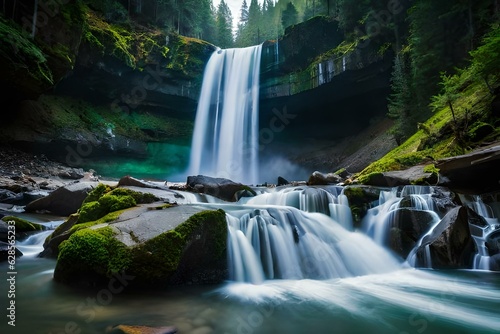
x,y
299,233
225,139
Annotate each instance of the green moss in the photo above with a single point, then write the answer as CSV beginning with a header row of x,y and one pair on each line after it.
x,y
188,55
103,200
359,201
139,197
95,250
22,225
97,193
22,55
159,257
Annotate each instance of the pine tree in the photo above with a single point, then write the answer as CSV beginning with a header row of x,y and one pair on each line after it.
x,y
224,23
289,16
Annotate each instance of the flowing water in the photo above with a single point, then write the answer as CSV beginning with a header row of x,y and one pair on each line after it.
x,y
295,269
225,139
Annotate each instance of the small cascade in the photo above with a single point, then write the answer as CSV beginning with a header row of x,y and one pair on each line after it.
x,y
328,200
386,215
225,139
480,234
286,243
33,245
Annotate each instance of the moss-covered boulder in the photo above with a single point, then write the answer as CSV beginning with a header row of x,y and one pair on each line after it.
x,y
23,227
156,247
102,205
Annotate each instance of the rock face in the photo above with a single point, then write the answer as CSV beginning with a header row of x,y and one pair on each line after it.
x,y
113,90
450,243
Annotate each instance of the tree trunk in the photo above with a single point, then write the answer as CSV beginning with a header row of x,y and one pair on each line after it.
x,y
452,111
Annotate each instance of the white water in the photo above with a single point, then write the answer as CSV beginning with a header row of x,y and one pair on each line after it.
x,y
225,139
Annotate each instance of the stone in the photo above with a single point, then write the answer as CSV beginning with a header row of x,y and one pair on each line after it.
x,y
63,201
154,244
224,189
320,179
407,227
450,243
472,173
282,181
412,175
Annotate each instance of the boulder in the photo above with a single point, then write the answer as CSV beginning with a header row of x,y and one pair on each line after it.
x,y
133,182
493,243
63,201
320,179
23,227
473,173
450,243
282,181
218,187
154,244
407,227
413,175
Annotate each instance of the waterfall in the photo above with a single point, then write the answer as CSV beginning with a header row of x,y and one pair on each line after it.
x,y
286,243
300,233
225,139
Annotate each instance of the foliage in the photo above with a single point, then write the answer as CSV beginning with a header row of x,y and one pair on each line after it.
x,y
224,26
29,58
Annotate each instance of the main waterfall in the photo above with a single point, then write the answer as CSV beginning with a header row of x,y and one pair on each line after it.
x,y
225,140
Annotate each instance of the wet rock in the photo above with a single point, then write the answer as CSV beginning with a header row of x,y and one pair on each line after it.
x,y
408,226
495,262
450,243
493,243
51,244
282,181
155,244
224,189
128,329
63,201
319,179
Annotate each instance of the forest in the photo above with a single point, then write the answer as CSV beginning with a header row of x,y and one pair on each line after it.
x,y
429,41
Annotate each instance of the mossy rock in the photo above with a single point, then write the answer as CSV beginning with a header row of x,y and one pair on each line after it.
x,y
23,226
173,256
193,252
103,200
360,199
91,255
